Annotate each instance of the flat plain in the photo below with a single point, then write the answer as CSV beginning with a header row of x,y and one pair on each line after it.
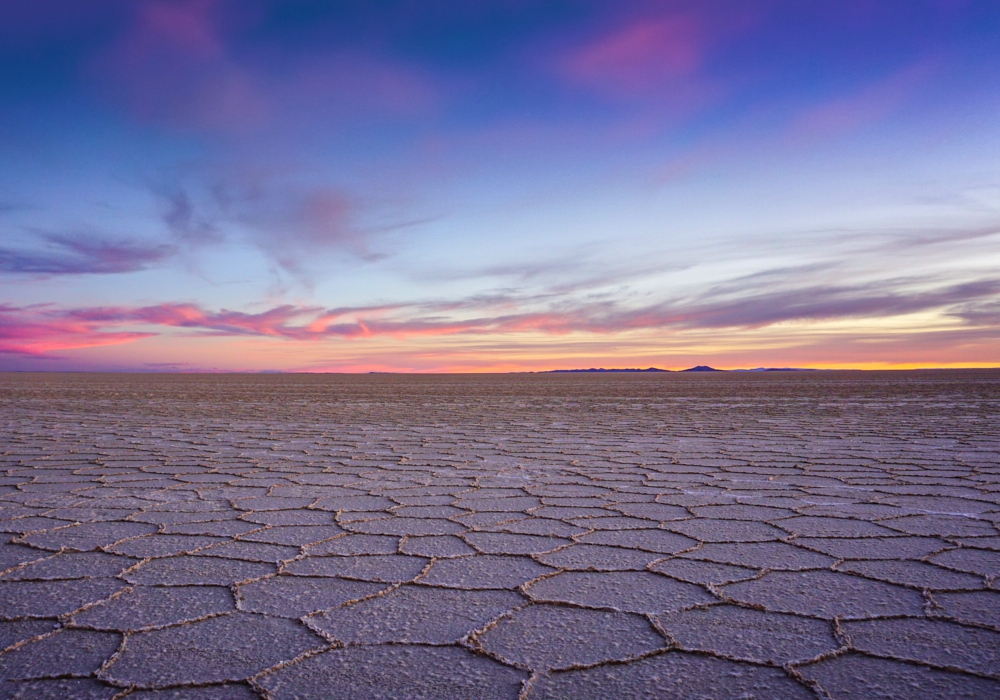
x,y
717,535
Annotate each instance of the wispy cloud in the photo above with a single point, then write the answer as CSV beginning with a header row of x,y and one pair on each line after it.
x,y
31,330
40,332
184,221
294,223
275,322
663,57
193,64
815,303
641,56
865,106
82,253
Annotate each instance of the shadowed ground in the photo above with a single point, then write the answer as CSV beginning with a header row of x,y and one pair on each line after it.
x,y
780,535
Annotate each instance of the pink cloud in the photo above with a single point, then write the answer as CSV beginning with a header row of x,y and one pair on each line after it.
x,y
186,26
36,331
186,64
291,224
299,225
323,217
172,66
665,58
32,332
640,57
868,106
273,322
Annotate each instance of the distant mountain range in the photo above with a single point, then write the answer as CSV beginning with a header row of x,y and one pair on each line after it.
x,y
777,369
601,369
699,368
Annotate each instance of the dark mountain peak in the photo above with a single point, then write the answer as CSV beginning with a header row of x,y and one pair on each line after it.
x,y
702,368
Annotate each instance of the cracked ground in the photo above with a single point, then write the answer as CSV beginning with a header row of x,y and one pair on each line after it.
x,y
779,535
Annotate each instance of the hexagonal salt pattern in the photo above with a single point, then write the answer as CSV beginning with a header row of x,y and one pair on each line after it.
x,y
792,535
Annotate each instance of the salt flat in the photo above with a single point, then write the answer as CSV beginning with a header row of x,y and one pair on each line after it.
x,y
779,535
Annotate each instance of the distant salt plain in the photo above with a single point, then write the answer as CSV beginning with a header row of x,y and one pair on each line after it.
x,y
628,535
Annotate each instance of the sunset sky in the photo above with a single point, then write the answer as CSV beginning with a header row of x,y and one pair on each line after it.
x,y
473,185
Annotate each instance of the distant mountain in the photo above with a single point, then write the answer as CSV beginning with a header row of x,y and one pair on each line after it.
x,y
777,369
699,368
601,369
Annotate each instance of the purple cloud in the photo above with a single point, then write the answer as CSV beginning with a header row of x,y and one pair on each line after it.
x,y
197,64
38,332
866,106
79,254
29,330
287,220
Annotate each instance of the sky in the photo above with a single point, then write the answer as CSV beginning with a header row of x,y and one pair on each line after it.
x,y
509,185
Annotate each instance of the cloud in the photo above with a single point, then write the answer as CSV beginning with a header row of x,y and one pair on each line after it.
x,y
820,303
171,66
274,322
986,314
948,236
750,303
184,221
664,58
640,56
864,107
38,332
82,253
199,65
294,223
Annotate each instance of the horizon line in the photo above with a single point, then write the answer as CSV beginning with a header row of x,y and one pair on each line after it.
x,y
587,371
